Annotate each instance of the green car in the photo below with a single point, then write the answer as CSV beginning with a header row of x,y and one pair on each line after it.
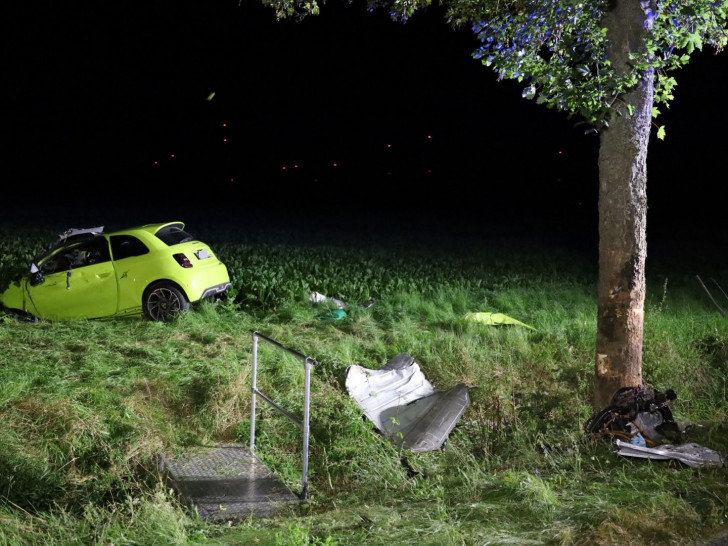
x,y
155,269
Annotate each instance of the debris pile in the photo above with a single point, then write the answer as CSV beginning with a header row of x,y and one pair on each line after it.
x,y
641,422
338,313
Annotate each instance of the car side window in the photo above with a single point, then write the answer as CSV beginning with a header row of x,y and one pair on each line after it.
x,y
126,246
55,263
75,255
95,251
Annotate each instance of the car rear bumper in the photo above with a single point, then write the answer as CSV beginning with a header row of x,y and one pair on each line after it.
x,y
215,290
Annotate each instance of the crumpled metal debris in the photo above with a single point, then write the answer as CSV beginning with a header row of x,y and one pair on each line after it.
x,y
403,404
691,454
637,411
641,422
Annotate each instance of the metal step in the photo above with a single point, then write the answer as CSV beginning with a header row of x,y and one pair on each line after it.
x,y
226,483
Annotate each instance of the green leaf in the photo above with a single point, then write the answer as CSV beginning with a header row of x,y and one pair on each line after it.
x,y
698,41
655,112
661,132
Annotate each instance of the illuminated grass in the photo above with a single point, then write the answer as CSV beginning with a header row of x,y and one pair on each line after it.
x,y
87,407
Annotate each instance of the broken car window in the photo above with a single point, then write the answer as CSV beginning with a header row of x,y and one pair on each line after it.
x,y
76,255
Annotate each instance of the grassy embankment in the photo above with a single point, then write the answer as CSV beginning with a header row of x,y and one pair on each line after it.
x,y
87,407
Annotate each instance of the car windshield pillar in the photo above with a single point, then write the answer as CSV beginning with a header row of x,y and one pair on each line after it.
x,y
36,276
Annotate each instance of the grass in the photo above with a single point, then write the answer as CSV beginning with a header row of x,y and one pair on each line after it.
x,y
87,407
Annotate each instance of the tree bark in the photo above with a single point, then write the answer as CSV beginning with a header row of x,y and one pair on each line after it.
x,y
623,214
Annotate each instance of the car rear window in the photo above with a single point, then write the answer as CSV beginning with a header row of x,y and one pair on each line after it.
x,y
173,235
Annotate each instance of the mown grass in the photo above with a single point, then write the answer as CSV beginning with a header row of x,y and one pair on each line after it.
x,y
87,407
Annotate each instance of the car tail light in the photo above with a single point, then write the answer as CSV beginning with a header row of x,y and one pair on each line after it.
x,y
182,260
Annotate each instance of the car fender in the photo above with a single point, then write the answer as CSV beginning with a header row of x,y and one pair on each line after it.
x,y
16,298
191,288
165,281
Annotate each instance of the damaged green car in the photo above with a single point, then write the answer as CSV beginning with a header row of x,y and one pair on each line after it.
x,y
157,270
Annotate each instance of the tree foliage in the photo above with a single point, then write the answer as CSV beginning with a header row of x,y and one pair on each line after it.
x,y
558,48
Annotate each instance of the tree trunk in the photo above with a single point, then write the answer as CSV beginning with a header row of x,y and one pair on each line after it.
x,y
622,215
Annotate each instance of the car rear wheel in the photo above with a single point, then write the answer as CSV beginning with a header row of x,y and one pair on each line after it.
x,y
163,302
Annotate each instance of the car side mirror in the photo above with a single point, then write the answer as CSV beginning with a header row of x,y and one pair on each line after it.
x,y
36,276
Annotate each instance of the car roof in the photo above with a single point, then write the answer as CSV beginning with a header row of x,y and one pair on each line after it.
x,y
75,235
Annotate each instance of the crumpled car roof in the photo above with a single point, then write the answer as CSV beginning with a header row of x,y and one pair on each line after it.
x,y
404,405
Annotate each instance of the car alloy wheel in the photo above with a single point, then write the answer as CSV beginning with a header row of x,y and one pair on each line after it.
x,y
164,303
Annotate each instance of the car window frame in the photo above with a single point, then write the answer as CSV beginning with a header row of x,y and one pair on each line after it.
x,y
114,245
61,256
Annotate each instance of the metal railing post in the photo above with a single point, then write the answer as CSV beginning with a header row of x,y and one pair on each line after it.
x,y
306,429
304,425
254,388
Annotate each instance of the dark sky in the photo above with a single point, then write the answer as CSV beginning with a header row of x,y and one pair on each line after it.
x,y
106,105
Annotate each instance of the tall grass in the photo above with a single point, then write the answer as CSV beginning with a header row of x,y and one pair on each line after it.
x,y
87,407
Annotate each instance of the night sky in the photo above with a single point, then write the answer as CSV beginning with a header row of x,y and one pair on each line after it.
x,y
110,109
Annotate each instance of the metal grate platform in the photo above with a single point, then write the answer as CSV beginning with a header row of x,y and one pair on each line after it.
x,y
226,483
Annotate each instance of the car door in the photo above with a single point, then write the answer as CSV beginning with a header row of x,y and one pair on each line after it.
x,y
131,263
79,282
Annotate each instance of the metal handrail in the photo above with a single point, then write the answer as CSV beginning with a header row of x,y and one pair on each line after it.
x,y
303,424
710,296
